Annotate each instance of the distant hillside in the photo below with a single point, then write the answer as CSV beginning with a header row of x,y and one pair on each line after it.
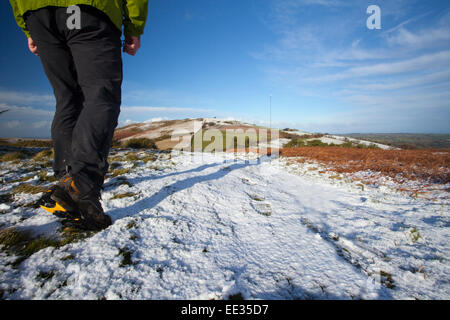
x,y
170,133
407,140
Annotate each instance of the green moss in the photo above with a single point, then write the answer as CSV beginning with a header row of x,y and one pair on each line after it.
x,y
126,257
22,244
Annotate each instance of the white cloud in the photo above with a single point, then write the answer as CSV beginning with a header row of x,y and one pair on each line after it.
x,y
26,98
425,62
26,112
437,78
420,39
155,119
41,124
25,122
13,124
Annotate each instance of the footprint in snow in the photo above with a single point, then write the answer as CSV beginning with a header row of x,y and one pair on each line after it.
x,y
260,206
263,208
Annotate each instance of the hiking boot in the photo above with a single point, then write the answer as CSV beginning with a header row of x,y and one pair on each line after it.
x,y
59,203
92,215
67,184
64,201
65,195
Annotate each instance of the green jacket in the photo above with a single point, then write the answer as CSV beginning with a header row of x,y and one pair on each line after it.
x,y
131,14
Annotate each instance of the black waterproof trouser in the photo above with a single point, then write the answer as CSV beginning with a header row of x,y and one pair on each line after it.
x,y
84,67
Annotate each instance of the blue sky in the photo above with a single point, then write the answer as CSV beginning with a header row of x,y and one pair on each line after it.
x,y
326,71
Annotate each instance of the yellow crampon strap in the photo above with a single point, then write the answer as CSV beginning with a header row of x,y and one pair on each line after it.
x,y
57,207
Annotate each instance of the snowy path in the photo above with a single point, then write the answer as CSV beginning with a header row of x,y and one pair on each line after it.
x,y
205,228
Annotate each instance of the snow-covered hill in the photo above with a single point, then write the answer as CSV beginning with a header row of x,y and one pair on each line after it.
x,y
205,226
169,133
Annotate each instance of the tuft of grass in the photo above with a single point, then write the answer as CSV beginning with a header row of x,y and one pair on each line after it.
x,y
415,235
23,179
68,257
115,158
45,276
256,197
386,279
11,237
155,167
43,155
13,156
131,224
28,188
131,156
120,181
114,165
150,157
139,143
44,177
118,172
124,195
71,235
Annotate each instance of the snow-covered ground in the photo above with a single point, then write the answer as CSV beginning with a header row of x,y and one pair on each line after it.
x,y
340,140
205,226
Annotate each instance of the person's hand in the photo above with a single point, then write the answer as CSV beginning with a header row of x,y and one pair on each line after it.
x,y
33,47
132,45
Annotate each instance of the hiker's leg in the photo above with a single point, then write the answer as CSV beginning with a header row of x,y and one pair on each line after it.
x,y
96,50
60,70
